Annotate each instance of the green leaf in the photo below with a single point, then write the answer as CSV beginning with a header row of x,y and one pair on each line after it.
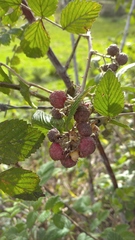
x,y
6,4
51,202
45,172
59,220
45,215
74,106
24,90
18,140
31,219
43,8
114,235
42,121
54,233
20,183
83,236
58,123
5,39
35,42
4,78
11,17
124,69
79,15
128,89
122,125
109,98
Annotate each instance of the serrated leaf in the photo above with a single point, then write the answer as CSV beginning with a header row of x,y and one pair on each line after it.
x,y
51,202
74,107
45,172
114,235
12,16
79,15
24,90
5,39
61,221
35,42
58,123
43,8
54,233
4,78
124,69
20,183
42,121
18,140
109,98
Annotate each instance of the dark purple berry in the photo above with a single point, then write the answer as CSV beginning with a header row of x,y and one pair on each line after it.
x,y
67,162
56,113
86,147
113,67
113,50
84,129
82,114
53,135
122,58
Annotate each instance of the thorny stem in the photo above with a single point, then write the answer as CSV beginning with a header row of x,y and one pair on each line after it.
x,y
127,24
106,163
91,52
24,81
54,60
5,107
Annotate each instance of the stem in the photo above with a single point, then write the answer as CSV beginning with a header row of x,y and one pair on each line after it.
x,y
91,183
22,80
5,107
17,87
91,52
106,163
54,23
127,25
54,60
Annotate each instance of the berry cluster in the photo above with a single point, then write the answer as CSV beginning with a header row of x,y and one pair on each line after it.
x,y
77,142
117,58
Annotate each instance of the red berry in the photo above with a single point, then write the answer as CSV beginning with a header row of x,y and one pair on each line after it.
x,y
122,58
58,98
67,162
113,50
53,135
56,151
87,146
82,114
84,129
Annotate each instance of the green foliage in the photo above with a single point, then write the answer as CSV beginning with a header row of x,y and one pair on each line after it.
x,y
42,120
109,98
78,16
4,78
20,183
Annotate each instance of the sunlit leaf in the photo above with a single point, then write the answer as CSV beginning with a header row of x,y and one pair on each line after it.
x,y
18,140
42,120
43,8
20,183
109,98
124,69
24,90
6,4
12,16
35,42
79,15
4,78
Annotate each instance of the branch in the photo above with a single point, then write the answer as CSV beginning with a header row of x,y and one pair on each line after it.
x,y
5,107
127,24
106,163
17,87
54,60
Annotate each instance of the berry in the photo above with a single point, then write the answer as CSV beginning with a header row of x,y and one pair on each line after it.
x,y
56,113
113,50
113,67
86,147
53,135
67,162
84,129
58,98
122,58
56,151
82,114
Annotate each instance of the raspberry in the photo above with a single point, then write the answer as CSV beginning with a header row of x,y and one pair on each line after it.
x,y
53,135
113,50
86,147
122,58
84,129
58,98
113,67
82,114
56,113
56,151
67,162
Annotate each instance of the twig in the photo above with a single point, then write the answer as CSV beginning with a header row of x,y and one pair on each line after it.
x,y
106,163
54,60
91,52
17,87
5,107
127,25
91,186
73,52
